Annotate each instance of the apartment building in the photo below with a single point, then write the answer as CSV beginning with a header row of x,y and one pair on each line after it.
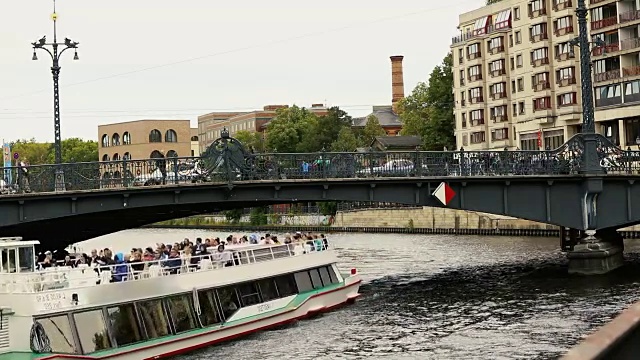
x,y
616,69
516,78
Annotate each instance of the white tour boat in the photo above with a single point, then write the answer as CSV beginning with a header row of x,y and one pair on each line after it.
x,y
159,311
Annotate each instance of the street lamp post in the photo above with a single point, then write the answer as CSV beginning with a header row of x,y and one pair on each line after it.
x,y
591,163
57,49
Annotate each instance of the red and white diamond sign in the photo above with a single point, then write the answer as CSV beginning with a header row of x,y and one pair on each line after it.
x,y
444,193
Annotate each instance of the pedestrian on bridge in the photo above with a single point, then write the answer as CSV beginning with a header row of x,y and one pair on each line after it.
x,y
161,164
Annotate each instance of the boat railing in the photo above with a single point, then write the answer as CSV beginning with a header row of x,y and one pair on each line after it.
x,y
84,275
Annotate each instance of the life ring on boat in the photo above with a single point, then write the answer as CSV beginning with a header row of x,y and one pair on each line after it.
x,y
39,340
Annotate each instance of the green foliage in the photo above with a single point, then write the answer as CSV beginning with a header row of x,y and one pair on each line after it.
x,y
233,216
293,130
251,139
73,150
372,129
410,225
428,111
345,141
328,208
258,216
330,126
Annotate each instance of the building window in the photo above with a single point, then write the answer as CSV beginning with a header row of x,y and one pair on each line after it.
x,y
538,32
105,157
530,141
126,138
553,139
542,103
567,99
565,74
498,90
171,136
155,136
478,137
194,138
464,120
497,67
115,157
518,37
480,26
563,50
564,24
632,91
520,84
155,154
460,55
475,73
513,86
521,107
496,45
475,95
473,51
462,100
498,113
515,109
540,55
105,140
519,60
503,20
477,117
540,81
172,154
465,140
513,63
115,139
126,156
608,95
516,13
499,134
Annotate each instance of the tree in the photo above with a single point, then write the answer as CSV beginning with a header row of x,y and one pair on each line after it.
x,y
345,141
372,129
330,126
258,216
293,130
234,215
73,150
428,111
328,208
251,140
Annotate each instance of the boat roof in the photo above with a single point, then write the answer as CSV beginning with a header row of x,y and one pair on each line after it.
x,y
16,241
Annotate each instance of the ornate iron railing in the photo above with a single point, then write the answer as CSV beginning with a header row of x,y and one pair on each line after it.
x,y
231,163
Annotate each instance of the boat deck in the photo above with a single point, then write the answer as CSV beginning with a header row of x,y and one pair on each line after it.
x,y
64,278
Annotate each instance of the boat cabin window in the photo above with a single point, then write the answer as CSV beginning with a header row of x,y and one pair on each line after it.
x,y
286,285
26,258
303,281
124,324
268,289
153,319
209,313
228,301
181,313
57,330
92,331
248,294
9,263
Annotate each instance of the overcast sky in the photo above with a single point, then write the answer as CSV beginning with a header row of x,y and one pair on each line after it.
x,y
179,59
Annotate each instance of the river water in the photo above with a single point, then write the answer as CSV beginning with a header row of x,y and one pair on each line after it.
x,y
437,297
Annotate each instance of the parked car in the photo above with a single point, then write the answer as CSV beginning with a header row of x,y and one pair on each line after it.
x,y
398,167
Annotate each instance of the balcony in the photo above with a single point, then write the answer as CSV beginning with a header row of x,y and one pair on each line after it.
x,y
539,37
537,13
498,72
631,43
499,95
563,5
496,49
607,75
592,2
567,81
477,122
475,77
540,62
629,16
606,49
475,55
499,118
541,85
565,56
491,29
563,31
476,100
599,24
631,71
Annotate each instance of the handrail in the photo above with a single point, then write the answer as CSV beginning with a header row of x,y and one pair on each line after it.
x,y
57,278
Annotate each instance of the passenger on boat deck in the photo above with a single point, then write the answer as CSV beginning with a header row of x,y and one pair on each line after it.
x,y
48,260
121,269
173,262
148,254
222,256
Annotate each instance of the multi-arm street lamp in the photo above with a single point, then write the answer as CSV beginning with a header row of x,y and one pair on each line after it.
x,y
591,162
57,49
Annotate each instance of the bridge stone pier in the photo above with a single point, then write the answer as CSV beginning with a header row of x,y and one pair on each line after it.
x,y
593,196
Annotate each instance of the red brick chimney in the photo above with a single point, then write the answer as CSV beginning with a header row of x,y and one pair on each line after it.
x,y
397,81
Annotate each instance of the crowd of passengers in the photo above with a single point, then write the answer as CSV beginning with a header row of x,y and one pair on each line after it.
x,y
173,257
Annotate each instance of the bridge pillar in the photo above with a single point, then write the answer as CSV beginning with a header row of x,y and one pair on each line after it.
x,y
598,253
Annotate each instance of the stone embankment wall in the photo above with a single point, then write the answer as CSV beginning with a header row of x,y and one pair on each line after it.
x,y
437,218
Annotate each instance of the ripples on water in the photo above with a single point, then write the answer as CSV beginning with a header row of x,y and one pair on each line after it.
x,y
441,297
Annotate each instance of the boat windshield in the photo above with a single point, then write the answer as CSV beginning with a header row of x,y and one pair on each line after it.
x,y
8,260
26,258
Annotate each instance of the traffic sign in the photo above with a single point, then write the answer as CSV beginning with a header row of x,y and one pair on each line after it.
x,y
444,193
16,156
